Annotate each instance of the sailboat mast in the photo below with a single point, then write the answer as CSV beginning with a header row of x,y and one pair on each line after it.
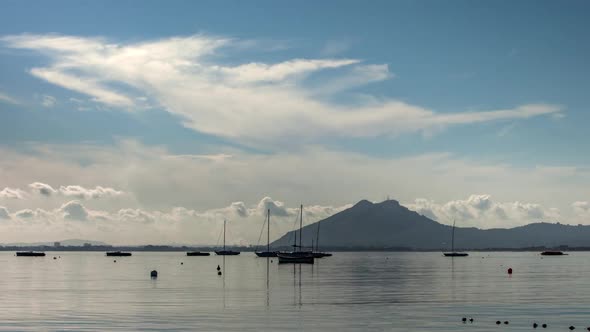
x,y
317,238
223,234
453,238
268,231
300,226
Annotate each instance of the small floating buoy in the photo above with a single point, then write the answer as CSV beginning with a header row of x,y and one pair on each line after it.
x,y
464,319
498,322
218,273
154,274
115,261
506,322
535,325
181,263
509,270
54,257
470,320
588,328
218,268
271,260
544,326
572,328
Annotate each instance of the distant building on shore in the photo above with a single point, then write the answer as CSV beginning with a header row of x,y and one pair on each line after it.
x,y
57,244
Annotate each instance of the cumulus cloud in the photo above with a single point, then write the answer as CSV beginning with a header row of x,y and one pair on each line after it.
x,y
12,193
42,188
4,213
482,211
74,191
179,224
74,210
255,102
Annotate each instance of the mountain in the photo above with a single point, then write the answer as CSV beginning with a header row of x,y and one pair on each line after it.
x,y
391,225
65,243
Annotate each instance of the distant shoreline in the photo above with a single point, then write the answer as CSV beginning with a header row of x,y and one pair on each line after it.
x,y
154,248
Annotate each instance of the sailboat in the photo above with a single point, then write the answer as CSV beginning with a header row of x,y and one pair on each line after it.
x,y
317,253
297,256
453,253
267,253
226,252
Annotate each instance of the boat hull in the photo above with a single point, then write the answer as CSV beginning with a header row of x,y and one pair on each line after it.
x,y
266,253
118,254
552,253
30,254
321,254
227,253
295,258
456,254
197,253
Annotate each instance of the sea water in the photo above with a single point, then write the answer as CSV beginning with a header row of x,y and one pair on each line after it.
x,y
373,291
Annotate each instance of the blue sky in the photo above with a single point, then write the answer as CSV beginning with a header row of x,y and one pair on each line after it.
x,y
496,86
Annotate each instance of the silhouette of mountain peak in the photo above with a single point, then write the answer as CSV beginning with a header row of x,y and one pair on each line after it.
x,y
363,203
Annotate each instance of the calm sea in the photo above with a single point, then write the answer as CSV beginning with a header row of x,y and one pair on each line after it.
x,y
86,291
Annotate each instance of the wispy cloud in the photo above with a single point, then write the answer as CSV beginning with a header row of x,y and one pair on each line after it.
x,y
255,102
8,99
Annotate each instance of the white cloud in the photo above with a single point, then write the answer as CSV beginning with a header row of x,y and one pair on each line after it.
x,y
42,188
255,102
12,193
8,99
48,101
74,191
74,210
483,212
4,214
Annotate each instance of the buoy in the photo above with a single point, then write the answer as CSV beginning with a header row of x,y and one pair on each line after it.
x,y
588,328
181,263
470,320
464,319
506,322
498,322
544,326
572,328
54,257
218,273
535,325
271,260
154,274
509,270
218,268
115,261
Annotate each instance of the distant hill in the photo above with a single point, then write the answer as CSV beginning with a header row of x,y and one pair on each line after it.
x,y
69,242
391,225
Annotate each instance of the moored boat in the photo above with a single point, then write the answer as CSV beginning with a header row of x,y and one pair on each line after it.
x,y
453,253
552,253
30,254
197,253
225,252
118,253
297,256
267,253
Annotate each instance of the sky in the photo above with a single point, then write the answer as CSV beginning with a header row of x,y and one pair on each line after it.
x,y
151,122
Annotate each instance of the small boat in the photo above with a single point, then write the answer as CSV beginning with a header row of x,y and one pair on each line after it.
x,y
321,254
317,253
553,253
267,253
453,253
118,253
297,257
30,254
197,253
226,252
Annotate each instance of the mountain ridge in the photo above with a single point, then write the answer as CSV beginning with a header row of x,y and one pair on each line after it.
x,y
389,224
